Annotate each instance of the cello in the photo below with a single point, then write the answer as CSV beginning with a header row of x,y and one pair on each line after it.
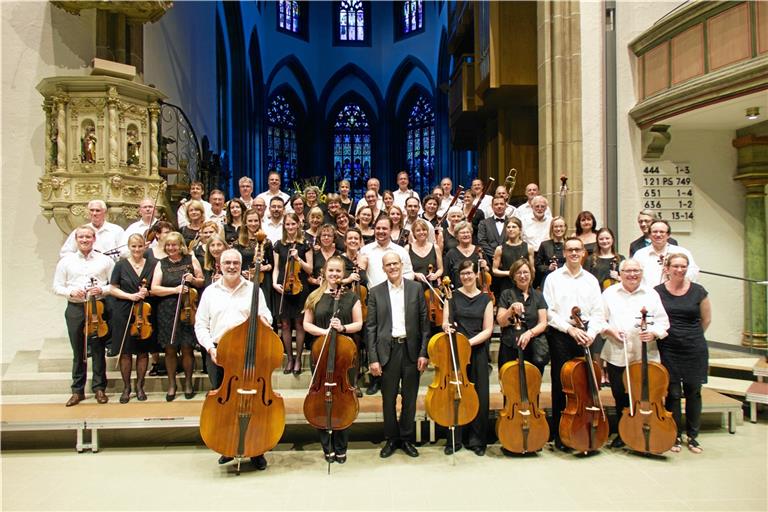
x,y
451,399
646,426
331,402
522,426
244,417
583,425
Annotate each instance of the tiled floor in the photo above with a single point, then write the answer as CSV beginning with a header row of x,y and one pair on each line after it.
x,y
730,475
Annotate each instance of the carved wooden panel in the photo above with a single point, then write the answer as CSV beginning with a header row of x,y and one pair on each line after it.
x,y
656,76
728,37
688,54
762,27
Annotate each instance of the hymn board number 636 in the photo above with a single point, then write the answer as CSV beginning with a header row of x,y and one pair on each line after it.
x,y
668,190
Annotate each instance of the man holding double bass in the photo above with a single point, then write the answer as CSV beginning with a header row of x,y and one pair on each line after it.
x,y
397,332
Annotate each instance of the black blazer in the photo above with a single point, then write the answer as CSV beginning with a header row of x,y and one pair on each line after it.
x,y
639,243
488,237
378,325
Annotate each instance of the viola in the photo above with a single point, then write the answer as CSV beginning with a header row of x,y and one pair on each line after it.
x,y
244,417
451,399
189,301
609,281
292,284
361,291
484,278
434,299
646,426
95,325
583,425
331,402
522,426
141,327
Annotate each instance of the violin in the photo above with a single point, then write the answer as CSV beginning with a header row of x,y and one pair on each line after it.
x,y
361,291
522,426
484,277
95,325
331,402
609,281
292,284
141,327
646,426
402,240
451,399
244,417
583,425
434,299
188,304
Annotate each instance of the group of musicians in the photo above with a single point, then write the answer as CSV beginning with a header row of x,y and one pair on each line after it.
x,y
361,270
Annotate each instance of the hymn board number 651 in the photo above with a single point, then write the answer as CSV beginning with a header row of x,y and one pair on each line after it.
x,y
668,190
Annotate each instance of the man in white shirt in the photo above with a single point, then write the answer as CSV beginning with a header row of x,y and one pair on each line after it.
x,y
623,303
147,213
223,306
526,209
477,192
372,184
509,210
260,206
651,258
273,225
217,212
109,237
245,186
195,194
446,185
403,192
535,224
376,250
274,182
79,276
565,288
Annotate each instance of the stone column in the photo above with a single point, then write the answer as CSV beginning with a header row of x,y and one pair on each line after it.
x,y
59,103
154,112
752,172
560,134
112,101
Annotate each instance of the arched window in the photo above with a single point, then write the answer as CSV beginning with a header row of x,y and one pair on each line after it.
x,y
352,148
352,23
420,144
410,17
281,155
292,17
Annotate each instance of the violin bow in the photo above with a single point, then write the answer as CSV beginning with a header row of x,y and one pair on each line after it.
x,y
434,292
178,308
125,333
285,280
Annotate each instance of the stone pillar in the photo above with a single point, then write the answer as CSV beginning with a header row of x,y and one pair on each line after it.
x,y
560,134
154,112
61,131
752,172
112,102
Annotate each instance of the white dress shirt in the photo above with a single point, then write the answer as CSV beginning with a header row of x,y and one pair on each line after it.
x,y
375,270
534,231
181,213
222,309
362,202
139,227
401,196
525,210
397,301
220,217
108,237
563,291
622,312
273,230
508,212
652,262
74,272
267,197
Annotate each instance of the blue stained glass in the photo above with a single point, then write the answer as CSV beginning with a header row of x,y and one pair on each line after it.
x,y
281,154
352,147
352,20
412,16
289,15
420,144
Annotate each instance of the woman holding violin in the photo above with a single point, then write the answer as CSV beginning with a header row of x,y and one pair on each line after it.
x,y
293,262
424,255
207,230
356,277
196,216
246,246
328,308
453,217
398,234
550,255
604,262
235,211
173,281
528,304
466,250
131,315
156,239
684,351
326,249
472,313
509,252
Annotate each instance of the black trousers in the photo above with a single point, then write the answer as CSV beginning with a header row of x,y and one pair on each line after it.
x,y
536,353
477,371
336,442
620,396
75,318
215,372
562,348
692,393
399,368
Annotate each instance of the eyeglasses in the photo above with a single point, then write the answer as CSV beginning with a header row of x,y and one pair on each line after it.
x,y
632,271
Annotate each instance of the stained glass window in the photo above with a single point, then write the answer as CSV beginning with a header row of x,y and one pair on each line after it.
x,y
352,148
281,155
420,144
412,16
288,15
352,18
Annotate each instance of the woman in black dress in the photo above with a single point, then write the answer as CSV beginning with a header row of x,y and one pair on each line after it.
x,y
364,220
318,319
550,255
326,249
586,231
509,252
453,218
297,205
472,311
246,246
212,259
347,203
423,253
604,262
154,253
289,307
207,230
235,211
314,222
342,227
466,250
469,203
196,216
430,204
529,304
178,267
684,351
130,280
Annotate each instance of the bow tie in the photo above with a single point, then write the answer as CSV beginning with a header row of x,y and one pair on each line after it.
x,y
499,219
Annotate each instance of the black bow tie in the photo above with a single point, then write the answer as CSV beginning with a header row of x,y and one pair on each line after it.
x,y
499,219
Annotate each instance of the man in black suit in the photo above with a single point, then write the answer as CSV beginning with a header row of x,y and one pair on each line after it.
x,y
397,332
644,220
491,234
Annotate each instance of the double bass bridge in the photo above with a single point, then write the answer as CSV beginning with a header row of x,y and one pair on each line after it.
x,y
241,391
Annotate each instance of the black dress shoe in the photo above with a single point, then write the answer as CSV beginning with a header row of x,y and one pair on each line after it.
x,y
153,370
341,458
388,450
330,457
478,450
409,449
189,395
373,388
617,442
170,397
449,450
560,446
259,462
224,459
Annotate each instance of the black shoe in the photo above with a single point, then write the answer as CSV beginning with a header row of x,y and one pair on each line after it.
x,y
359,392
111,352
341,458
189,395
153,371
560,446
388,450
506,452
170,397
224,459
259,462
330,457
449,450
617,442
409,449
373,388
478,450
162,371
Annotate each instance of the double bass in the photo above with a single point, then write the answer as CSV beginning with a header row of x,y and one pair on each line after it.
x,y
331,402
244,417
583,424
451,399
522,426
646,426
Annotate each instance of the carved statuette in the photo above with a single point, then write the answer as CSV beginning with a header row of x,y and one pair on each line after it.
x,y
134,148
88,147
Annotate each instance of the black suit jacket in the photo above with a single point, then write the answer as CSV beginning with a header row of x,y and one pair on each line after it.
x,y
378,326
639,243
488,237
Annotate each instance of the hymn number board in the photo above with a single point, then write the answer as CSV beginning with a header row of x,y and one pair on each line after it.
x,y
668,190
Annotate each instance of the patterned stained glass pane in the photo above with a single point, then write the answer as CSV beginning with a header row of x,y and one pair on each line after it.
x,y
281,154
352,148
412,16
289,15
352,20
420,144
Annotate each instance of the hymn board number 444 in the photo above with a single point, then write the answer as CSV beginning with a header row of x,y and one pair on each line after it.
x,y
668,190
